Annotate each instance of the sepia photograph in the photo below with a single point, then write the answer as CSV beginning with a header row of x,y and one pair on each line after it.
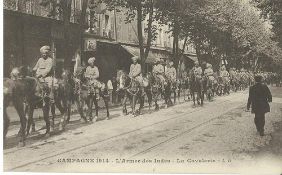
x,y
142,86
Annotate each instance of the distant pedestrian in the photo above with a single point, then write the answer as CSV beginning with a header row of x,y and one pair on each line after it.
x,y
259,97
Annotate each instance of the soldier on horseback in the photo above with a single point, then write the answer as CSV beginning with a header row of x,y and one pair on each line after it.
x,y
136,73
43,72
209,74
170,72
197,70
92,74
158,71
224,74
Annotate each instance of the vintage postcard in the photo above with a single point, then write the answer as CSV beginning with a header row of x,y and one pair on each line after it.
x,y
142,86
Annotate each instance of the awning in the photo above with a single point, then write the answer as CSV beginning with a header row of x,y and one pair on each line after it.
x,y
191,57
153,53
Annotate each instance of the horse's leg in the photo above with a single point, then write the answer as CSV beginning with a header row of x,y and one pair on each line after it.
x,y
6,122
19,106
141,101
90,106
79,107
156,102
30,120
124,110
46,109
149,96
134,100
95,100
53,112
174,93
194,98
106,101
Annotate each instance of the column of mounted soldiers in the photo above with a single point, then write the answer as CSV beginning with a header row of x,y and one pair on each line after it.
x,y
39,88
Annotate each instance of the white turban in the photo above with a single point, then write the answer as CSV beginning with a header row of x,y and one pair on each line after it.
x,y
91,60
45,49
157,60
135,58
171,63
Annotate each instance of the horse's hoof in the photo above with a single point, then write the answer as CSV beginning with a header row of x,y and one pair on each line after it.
x,y
33,130
107,118
84,120
21,144
61,127
47,135
95,119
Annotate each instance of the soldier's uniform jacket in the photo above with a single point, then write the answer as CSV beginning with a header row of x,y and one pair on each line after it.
x,y
224,73
44,67
158,69
198,71
135,72
232,74
92,73
171,73
208,72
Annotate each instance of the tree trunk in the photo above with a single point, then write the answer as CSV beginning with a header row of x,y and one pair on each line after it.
x,y
140,36
66,6
150,35
176,42
81,27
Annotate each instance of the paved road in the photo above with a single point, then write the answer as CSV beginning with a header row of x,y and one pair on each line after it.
x,y
218,137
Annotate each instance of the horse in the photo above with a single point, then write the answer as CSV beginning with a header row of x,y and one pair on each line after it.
x,y
209,84
196,86
84,94
27,94
130,89
18,92
158,89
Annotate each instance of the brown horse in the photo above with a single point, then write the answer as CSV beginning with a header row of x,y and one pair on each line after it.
x,y
196,87
17,91
129,88
27,94
82,95
157,90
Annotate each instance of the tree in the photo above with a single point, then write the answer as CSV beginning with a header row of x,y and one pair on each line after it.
x,y
138,10
272,10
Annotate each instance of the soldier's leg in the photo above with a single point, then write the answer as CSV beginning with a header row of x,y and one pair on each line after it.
x,y
262,123
256,120
97,93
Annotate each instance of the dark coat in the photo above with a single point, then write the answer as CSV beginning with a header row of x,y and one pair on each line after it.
x,y
259,96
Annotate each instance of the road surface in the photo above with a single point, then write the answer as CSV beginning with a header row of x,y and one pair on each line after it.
x,y
218,137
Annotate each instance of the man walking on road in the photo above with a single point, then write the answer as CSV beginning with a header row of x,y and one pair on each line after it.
x,y
259,96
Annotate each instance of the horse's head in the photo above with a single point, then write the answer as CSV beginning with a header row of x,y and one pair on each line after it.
x,y
67,75
123,80
79,74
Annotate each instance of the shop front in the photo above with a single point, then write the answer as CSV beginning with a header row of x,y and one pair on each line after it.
x,y
24,34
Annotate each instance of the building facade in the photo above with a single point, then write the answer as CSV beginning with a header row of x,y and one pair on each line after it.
x,y
107,36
